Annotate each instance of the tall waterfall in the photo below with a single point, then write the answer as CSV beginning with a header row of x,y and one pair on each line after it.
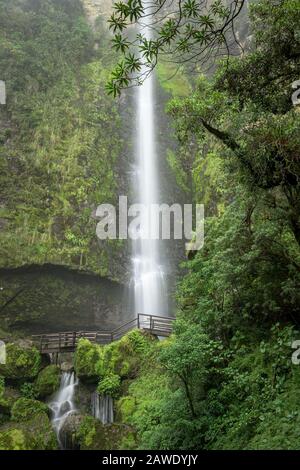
x,y
148,273
62,404
102,408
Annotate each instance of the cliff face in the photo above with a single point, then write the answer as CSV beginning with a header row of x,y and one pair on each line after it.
x,y
60,142
65,148
60,138
96,9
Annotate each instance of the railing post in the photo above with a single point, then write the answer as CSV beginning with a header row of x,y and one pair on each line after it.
x,y
138,321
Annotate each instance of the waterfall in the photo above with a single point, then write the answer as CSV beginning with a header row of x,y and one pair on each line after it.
x,y
102,408
148,273
62,404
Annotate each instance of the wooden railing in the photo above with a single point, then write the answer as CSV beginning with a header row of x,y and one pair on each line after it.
x,y
67,341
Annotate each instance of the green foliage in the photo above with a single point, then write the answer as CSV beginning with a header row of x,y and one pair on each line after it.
x,y
109,385
28,390
187,32
124,357
21,363
47,381
173,79
26,408
225,380
125,408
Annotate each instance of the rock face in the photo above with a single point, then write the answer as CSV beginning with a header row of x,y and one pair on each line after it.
x,y
96,8
69,430
55,299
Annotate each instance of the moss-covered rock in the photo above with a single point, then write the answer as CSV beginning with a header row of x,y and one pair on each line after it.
x,y
47,381
12,439
7,399
93,435
82,397
33,434
22,363
86,358
68,434
26,408
125,356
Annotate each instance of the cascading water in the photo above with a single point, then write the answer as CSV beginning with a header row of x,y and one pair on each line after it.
x,y
62,404
148,274
102,408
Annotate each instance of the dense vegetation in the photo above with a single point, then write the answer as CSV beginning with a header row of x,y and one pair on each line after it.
x,y
225,378
239,304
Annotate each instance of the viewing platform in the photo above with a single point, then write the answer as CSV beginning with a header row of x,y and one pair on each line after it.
x,y
67,341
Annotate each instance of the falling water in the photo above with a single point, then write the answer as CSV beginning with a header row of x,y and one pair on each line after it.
x,y
148,273
62,404
102,408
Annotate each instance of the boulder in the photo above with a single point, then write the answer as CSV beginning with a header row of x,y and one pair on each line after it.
x,y
47,381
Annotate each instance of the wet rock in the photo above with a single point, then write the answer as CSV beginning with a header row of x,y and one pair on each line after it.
x,y
66,367
69,432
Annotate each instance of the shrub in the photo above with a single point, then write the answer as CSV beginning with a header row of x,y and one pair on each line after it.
x,y
28,390
110,385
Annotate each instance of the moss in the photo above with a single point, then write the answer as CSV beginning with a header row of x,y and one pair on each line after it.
x,y
13,439
21,363
125,356
86,358
8,397
26,408
173,79
33,434
93,435
67,142
125,407
47,381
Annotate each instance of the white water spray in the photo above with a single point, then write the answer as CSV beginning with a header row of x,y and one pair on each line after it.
x,y
102,408
62,404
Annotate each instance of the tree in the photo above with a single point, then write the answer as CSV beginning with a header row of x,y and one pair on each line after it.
x,y
187,358
185,31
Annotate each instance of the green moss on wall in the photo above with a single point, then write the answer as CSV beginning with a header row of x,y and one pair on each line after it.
x,y
60,141
173,79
